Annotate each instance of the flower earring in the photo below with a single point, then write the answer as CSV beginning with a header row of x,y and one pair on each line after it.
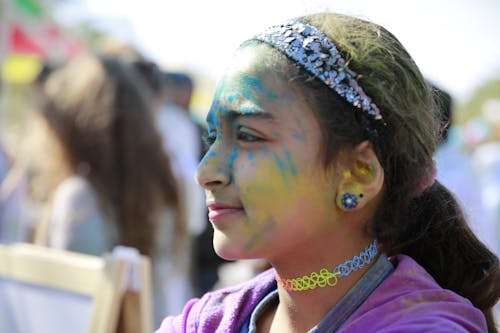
x,y
350,201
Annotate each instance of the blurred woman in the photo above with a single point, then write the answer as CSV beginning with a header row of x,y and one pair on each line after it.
x,y
110,183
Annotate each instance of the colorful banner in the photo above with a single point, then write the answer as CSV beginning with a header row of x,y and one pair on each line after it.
x,y
20,68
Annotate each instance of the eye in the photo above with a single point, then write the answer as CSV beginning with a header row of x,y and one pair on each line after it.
x,y
246,135
209,138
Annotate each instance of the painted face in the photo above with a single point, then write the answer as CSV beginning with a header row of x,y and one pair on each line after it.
x,y
267,189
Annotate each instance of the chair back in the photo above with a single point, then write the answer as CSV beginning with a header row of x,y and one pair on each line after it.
x,y
49,290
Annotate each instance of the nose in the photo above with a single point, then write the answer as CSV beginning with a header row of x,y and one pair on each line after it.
x,y
214,170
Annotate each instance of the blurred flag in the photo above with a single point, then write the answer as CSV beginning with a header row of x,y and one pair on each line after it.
x,y
33,37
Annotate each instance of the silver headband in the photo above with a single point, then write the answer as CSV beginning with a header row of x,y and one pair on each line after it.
x,y
317,53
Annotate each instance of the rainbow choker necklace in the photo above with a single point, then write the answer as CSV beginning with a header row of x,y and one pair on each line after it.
x,y
326,278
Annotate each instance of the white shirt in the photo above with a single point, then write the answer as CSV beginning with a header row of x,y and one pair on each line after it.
x,y
181,141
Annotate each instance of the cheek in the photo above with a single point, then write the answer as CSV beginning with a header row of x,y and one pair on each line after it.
x,y
271,186
277,192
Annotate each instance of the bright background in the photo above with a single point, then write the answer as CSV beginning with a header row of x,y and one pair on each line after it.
x,y
455,42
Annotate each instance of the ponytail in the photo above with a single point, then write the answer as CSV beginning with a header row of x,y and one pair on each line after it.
x,y
428,226
439,239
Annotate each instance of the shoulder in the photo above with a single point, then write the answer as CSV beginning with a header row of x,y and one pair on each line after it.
x,y
221,309
74,196
171,115
74,190
5,163
410,300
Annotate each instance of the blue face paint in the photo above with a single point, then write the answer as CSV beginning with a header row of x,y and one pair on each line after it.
x,y
276,181
247,85
267,227
247,110
286,166
213,120
281,163
299,137
251,85
233,157
283,169
233,98
265,150
222,109
223,172
291,165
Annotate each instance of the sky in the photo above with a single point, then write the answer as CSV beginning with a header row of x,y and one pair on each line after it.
x,y
454,42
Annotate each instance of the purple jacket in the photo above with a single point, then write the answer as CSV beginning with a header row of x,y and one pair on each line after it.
x,y
409,300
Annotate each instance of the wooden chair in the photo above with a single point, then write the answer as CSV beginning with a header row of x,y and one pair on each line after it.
x,y
48,290
136,314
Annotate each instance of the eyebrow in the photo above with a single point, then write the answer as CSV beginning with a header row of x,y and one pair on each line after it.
x,y
253,114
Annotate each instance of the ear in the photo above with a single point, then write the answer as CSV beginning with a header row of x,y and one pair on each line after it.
x,y
361,177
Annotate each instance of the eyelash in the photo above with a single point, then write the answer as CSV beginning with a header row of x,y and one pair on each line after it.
x,y
241,135
209,139
245,136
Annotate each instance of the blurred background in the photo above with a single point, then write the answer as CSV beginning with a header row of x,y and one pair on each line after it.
x,y
455,43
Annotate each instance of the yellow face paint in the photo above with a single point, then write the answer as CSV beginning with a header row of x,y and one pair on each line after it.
x,y
265,183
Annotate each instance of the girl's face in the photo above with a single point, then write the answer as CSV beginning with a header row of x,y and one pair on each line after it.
x,y
267,189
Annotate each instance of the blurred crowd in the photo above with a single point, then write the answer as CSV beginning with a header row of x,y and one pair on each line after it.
x,y
109,159
471,172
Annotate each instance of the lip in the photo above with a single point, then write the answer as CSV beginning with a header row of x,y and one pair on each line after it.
x,y
218,210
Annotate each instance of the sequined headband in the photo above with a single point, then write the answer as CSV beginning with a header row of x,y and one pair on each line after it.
x,y
317,53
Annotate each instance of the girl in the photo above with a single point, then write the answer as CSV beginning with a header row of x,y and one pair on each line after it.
x,y
322,136
110,182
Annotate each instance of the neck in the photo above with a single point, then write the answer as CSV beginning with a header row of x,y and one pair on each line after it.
x,y
293,312
329,277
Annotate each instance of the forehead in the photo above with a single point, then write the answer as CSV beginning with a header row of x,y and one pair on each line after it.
x,y
250,79
256,90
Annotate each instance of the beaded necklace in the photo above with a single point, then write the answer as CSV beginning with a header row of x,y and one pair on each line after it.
x,y
327,278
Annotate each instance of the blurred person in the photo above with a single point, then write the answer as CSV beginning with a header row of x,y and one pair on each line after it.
x,y
108,181
183,160
486,158
456,170
120,49
182,139
15,222
323,132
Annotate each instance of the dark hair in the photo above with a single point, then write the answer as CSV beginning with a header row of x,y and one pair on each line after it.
x,y
177,79
149,72
445,107
98,110
179,88
427,225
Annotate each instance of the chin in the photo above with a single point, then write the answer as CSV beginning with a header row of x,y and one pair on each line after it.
x,y
233,249
227,252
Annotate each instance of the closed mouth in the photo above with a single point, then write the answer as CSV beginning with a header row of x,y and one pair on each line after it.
x,y
218,210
